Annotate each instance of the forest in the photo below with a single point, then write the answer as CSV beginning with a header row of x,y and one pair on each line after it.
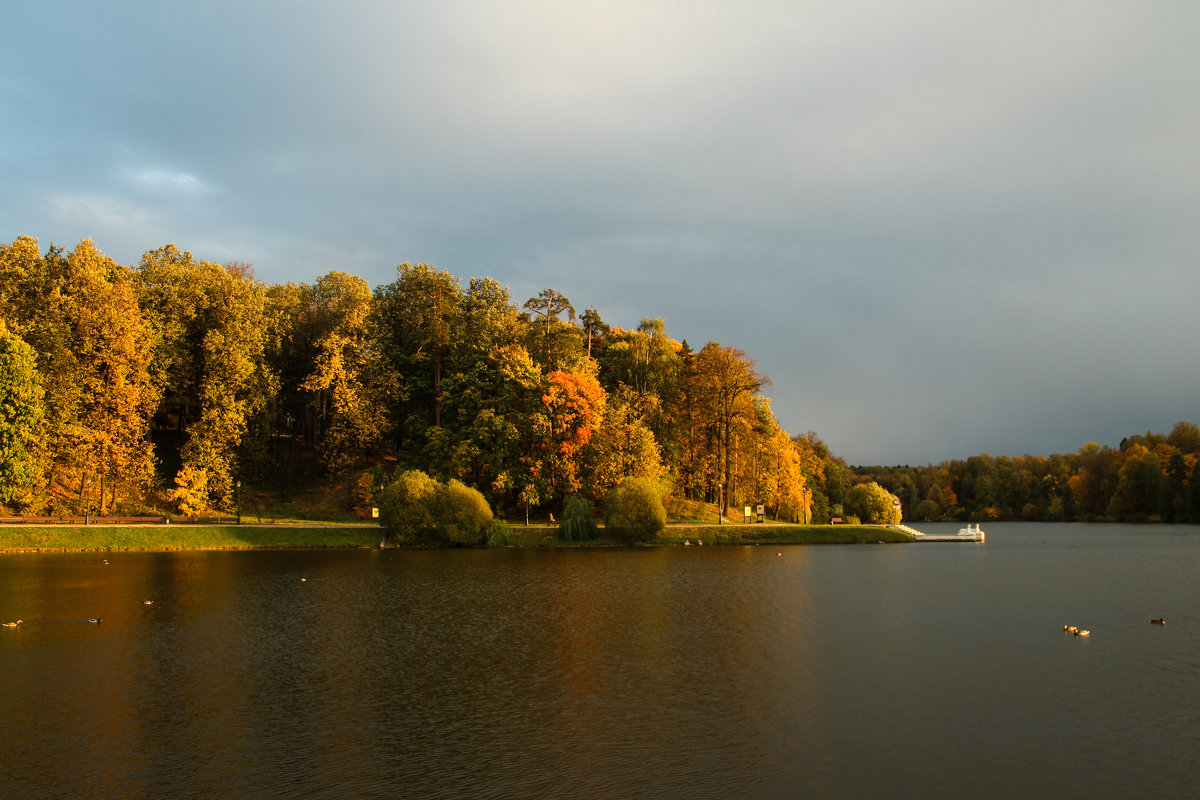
x,y
1150,477
177,383
182,384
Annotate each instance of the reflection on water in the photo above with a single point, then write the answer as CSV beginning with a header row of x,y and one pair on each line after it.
x,y
900,671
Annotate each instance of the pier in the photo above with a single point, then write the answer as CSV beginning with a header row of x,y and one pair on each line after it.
x,y
967,534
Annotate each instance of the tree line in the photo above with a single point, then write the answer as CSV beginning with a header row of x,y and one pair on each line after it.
x,y
1149,477
175,380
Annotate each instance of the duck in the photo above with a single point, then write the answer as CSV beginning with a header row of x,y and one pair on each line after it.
x,y
95,620
1159,621
13,624
1084,633
147,602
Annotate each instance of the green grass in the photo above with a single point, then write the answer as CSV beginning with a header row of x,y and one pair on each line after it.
x,y
739,533
547,536
185,537
309,534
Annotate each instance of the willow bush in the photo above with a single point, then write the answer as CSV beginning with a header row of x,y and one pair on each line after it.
x,y
577,523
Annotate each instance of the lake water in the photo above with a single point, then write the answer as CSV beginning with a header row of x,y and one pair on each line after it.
x,y
900,671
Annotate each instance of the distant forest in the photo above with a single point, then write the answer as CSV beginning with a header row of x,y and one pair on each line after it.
x,y
176,382
1151,477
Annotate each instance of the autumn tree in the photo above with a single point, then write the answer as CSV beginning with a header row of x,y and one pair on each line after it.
x,y
112,344
621,447
209,326
346,410
572,408
80,316
725,381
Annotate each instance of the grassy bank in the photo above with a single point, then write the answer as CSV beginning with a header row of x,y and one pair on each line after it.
x,y
184,537
249,536
547,536
781,534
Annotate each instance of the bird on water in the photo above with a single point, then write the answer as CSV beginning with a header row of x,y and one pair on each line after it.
x,y
13,624
95,620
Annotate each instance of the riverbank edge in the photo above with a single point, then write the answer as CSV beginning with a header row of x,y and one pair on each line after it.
x,y
164,538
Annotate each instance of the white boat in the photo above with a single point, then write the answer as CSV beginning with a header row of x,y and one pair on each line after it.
x,y
975,533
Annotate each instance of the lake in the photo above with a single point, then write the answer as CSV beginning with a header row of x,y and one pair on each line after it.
x,y
899,671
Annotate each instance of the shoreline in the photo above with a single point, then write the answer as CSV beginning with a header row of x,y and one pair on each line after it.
x,y
324,536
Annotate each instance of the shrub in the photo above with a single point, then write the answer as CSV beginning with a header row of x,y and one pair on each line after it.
x,y
577,523
406,505
633,511
497,534
873,504
461,514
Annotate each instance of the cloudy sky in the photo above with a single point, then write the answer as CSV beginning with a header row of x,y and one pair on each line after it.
x,y
941,228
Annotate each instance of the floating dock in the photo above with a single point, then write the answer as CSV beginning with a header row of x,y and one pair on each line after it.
x,y
967,534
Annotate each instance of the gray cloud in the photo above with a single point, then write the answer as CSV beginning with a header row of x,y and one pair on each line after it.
x,y
942,229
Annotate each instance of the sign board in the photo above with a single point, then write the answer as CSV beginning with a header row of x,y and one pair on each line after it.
x,y
374,513
760,509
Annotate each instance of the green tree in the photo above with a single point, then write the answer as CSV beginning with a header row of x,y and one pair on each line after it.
x,y
21,416
414,319
406,505
560,341
1138,486
926,511
491,412
1185,437
633,511
645,367
1194,494
594,328
872,504
577,524
461,514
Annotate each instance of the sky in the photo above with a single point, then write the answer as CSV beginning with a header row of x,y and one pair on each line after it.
x,y
942,229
